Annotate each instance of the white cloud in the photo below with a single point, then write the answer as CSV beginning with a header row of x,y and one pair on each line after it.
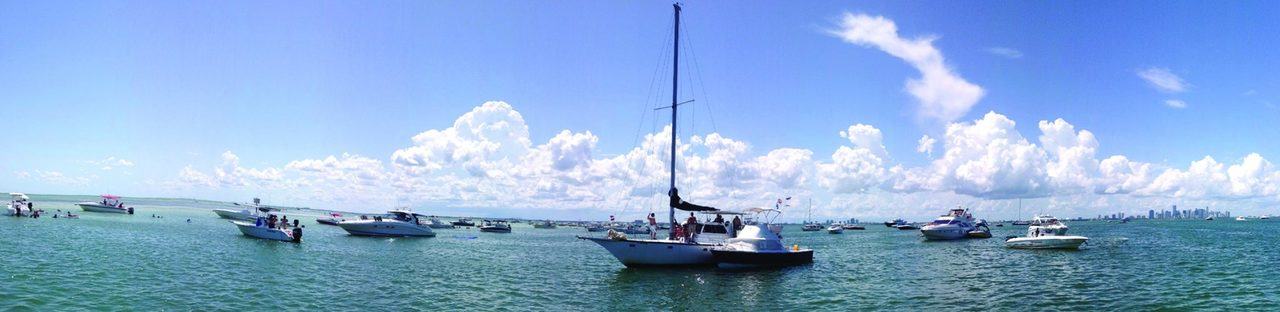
x,y
1253,177
925,145
858,168
111,162
1005,52
57,177
1175,104
942,94
493,131
1163,80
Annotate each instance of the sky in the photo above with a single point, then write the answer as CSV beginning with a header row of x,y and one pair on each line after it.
x,y
871,110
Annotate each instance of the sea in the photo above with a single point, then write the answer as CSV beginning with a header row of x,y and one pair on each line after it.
x,y
176,255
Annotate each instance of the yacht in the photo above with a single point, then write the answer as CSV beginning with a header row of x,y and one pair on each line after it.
x,y
249,213
956,224
260,229
835,228
811,227
1240,218
399,223
496,226
110,203
544,225
682,247
1046,232
19,202
851,226
895,223
435,223
464,222
1264,217
333,219
759,245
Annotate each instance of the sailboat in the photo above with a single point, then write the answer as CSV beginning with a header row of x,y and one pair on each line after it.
x,y
1021,222
675,250
810,226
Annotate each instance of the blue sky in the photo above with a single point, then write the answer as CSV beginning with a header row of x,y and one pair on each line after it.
x,y
167,86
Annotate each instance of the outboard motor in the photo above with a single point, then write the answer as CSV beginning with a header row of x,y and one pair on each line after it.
x,y
297,234
130,210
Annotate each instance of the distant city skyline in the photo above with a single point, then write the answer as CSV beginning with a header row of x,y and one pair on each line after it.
x,y
874,110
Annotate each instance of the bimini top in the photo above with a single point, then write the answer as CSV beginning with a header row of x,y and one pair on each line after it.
x,y
19,196
757,210
109,196
406,212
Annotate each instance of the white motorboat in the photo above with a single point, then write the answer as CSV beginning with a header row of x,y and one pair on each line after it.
x,y
544,225
19,205
835,229
495,226
759,245
464,222
956,224
260,229
251,212
110,204
1046,232
399,223
435,223
1210,218
333,219
1241,218
1264,217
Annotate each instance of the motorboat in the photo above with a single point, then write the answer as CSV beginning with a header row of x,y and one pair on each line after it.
x,y
835,229
1210,218
895,223
907,227
19,202
464,222
980,230
397,223
544,225
333,219
851,226
1021,222
260,229
495,226
250,212
956,224
596,227
1264,217
435,223
110,204
811,227
1241,218
759,246
1046,232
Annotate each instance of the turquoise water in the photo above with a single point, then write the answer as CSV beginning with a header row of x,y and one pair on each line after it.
x,y
121,262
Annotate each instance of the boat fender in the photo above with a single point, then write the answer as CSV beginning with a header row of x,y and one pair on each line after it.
x,y
297,234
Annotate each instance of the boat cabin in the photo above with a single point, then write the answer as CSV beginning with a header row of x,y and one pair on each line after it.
x,y
405,216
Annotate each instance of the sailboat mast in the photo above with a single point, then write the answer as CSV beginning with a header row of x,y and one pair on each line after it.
x,y
675,68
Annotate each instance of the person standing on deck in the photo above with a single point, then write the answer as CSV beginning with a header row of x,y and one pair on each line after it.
x,y
653,227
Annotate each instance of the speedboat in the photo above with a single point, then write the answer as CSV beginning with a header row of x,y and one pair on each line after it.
x,y
1046,232
260,229
333,219
1240,218
956,224
850,226
835,229
1210,218
1264,217
496,226
811,227
980,230
249,213
398,223
759,245
544,225
895,223
464,222
110,203
907,227
18,202
435,223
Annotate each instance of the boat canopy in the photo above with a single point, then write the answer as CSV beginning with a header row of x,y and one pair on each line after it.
x,y
19,196
109,196
406,212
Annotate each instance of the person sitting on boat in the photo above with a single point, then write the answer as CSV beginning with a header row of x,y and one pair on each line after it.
x,y
718,219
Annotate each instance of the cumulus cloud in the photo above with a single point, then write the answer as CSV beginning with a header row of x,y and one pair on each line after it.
x,y
857,168
56,177
493,131
1252,177
925,145
942,94
1163,80
111,162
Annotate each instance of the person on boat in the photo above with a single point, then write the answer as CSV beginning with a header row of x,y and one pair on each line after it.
x,y
718,219
284,222
653,227
691,228
271,221
737,225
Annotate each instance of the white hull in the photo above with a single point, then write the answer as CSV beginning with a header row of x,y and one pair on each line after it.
x,y
1046,242
661,252
944,232
385,228
249,229
836,230
235,215
96,207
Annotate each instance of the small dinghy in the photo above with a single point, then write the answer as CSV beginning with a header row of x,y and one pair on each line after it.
x,y
260,229
759,246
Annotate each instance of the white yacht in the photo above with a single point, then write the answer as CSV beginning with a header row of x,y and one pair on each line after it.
x,y
435,223
544,225
19,202
1046,232
250,212
400,223
1240,218
835,228
495,226
956,224
110,203
759,245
